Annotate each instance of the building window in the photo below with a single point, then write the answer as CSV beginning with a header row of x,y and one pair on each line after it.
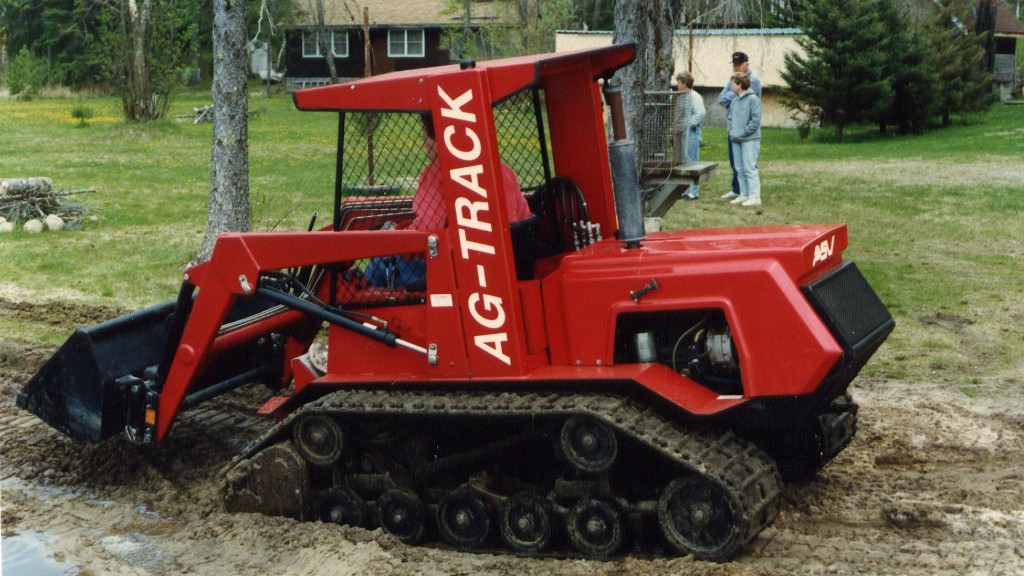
x,y
406,43
339,43
311,45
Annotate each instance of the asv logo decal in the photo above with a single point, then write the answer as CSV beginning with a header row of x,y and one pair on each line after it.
x,y
824,250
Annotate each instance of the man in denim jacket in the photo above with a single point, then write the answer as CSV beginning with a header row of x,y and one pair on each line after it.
x,y
740,65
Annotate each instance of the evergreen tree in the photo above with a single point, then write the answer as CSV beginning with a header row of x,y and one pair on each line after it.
x,y
843,71
26,75
958,57
911,75
61,32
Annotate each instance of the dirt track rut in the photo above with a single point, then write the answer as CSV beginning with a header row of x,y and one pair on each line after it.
x,y
932,484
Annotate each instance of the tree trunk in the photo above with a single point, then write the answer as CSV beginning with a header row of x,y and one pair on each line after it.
x,y
229,166
141,104
650,24
523,10
323,35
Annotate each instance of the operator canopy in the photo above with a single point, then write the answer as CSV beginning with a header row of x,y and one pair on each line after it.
x,y
408,90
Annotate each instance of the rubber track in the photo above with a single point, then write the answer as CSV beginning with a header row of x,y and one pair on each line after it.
x,y
729,461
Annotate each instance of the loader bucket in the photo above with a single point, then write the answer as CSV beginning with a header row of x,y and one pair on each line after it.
x,y
76,390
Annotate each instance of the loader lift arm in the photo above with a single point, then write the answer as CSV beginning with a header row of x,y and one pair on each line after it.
x,y
233,272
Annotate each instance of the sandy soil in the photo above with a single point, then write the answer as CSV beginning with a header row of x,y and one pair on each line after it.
x,y
932,484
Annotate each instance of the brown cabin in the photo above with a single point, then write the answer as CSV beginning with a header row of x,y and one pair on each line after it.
x,y
404,35
1007,31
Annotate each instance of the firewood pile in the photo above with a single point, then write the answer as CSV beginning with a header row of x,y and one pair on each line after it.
x,y
198,115
34,199
205,114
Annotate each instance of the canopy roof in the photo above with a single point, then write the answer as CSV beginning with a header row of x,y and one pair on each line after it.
x,y
409,90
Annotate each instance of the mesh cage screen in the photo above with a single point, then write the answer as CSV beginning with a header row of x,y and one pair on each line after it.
x,y
521,144
848,305
385,161
655,142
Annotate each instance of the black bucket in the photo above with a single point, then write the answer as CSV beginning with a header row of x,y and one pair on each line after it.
x,y
76,391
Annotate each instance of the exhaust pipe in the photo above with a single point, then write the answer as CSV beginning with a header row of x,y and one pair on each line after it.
x,y
622,156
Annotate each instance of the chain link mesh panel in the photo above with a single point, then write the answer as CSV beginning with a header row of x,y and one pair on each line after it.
x,y
655,142
522,140
385,162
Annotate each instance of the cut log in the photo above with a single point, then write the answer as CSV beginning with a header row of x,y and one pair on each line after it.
x,y
23,186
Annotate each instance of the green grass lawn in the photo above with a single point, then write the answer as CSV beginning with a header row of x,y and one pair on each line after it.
x,y
935,219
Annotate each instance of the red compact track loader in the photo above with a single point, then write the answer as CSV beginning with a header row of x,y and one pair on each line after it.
x,y
556,381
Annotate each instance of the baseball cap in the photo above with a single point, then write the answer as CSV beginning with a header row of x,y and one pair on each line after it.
x,y
739,58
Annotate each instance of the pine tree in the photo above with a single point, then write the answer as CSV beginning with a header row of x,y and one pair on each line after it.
x,y
843,72
911,75
957,55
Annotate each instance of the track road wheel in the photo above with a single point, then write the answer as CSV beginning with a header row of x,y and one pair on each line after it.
x,y
341,506
402,514
319,439
526,524
698,517
588,444
595,528
463,519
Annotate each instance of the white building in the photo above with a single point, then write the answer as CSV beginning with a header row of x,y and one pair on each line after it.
x,y
710,61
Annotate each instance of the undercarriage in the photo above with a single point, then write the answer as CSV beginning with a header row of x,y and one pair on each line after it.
x,y
536,473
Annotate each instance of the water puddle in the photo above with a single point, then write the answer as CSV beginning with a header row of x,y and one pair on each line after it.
x,y
26,554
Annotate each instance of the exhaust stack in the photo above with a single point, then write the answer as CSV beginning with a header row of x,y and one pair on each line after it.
x,y
625,178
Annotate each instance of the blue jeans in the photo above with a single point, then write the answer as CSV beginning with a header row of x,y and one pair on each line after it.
x,y
745,155
693,155
395,272
732,165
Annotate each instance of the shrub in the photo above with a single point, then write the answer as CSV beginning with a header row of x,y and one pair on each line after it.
x,y
26,74
81,113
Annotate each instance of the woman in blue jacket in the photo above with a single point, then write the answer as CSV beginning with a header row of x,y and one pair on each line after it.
x,y
745,140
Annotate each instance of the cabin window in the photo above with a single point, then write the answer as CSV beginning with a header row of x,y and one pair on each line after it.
x,y
406,43
311,44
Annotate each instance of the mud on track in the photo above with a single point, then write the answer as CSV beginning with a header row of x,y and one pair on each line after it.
x,y
932,484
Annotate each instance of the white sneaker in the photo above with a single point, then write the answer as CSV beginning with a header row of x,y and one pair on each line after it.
x,y
752,202
739,200
729,195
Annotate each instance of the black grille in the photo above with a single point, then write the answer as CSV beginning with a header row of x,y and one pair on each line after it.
x,y
850,308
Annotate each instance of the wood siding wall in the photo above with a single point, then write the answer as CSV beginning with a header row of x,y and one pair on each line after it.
x,y
352,66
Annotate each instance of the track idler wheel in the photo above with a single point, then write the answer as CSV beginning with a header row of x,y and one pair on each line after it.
x,y
341,506
463,518
698,517
273,481
588,444
595,528
402,514
526,523
319,439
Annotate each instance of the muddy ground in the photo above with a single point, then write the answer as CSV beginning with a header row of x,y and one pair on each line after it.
x,y
932,484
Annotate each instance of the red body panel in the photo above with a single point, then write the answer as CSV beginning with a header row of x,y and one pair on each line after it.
x,y
751,274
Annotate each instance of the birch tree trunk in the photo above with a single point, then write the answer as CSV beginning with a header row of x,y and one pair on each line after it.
x,y
143,105
229,166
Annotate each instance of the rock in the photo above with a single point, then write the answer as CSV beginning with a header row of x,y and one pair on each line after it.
x,y
54,222
6,226
33,226
3,220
